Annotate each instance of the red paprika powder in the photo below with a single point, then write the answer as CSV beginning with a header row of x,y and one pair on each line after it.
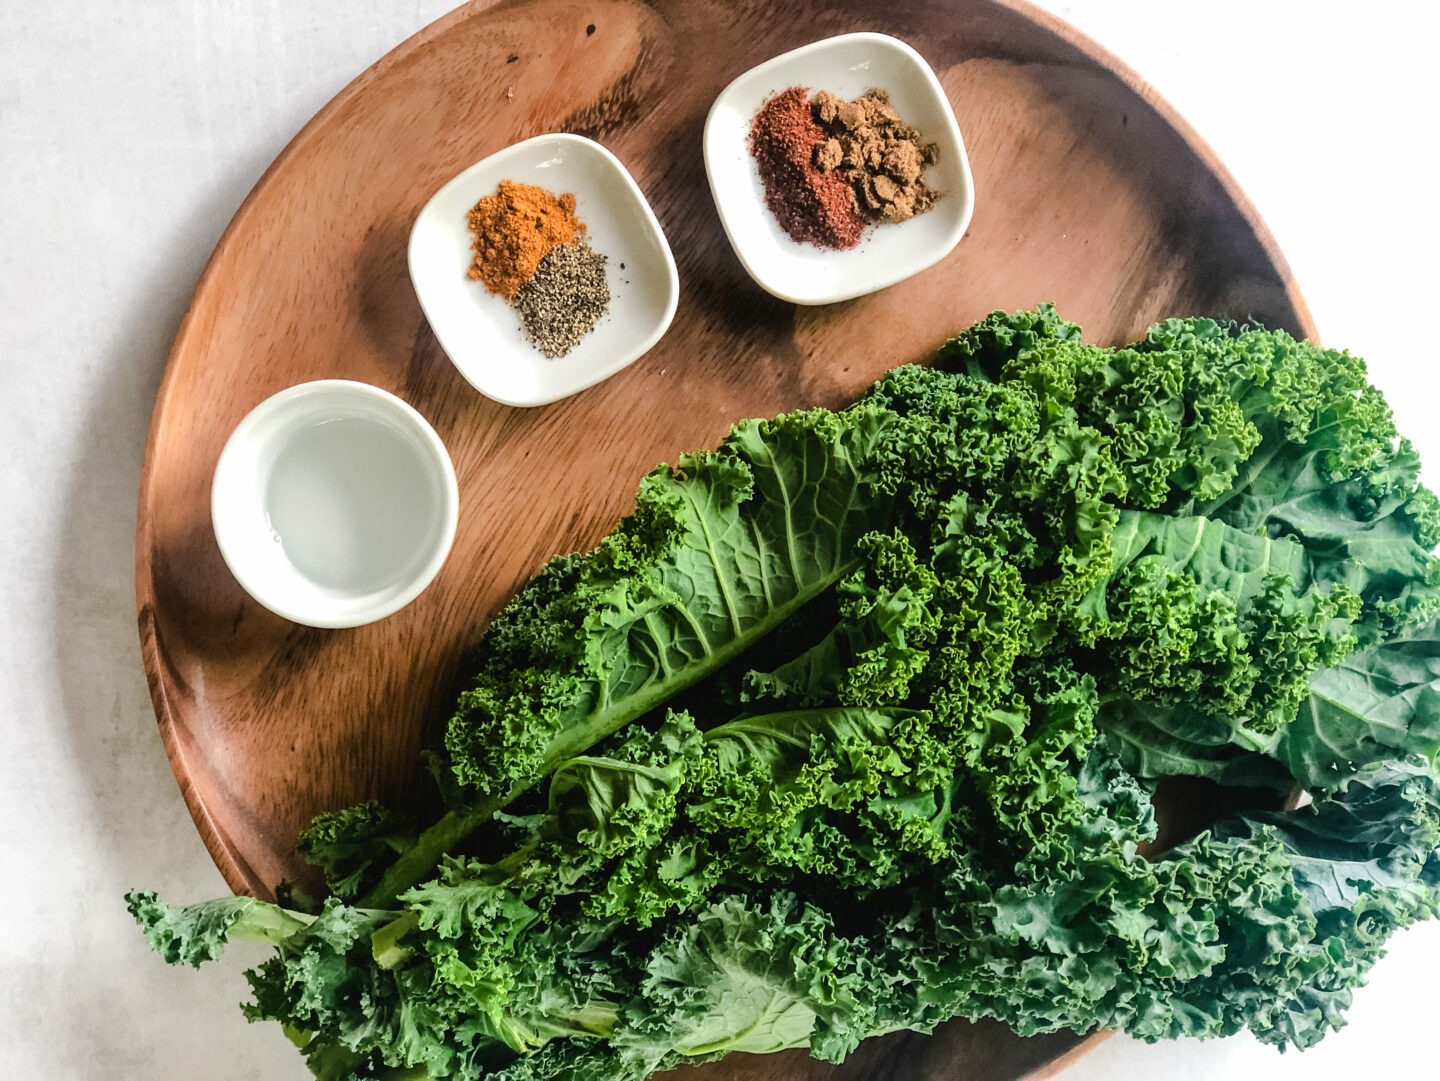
x,y
811,206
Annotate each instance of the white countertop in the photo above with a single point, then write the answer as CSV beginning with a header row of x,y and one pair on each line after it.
x,y
130,132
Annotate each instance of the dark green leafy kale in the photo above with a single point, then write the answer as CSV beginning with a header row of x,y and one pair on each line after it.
x,y
349,844
1374,706
852,727
720,550
199,933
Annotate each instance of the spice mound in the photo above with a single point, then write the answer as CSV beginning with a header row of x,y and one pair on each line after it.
x,y
831,167
564,298
530,249
810,205
879,155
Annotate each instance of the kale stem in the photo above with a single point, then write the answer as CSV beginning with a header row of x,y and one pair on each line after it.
x,y
416,862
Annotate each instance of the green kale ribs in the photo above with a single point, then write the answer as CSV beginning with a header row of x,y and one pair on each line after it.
x,y
854,726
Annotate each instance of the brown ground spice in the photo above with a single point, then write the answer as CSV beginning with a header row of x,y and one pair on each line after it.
x,y
811,206
516,228
876,153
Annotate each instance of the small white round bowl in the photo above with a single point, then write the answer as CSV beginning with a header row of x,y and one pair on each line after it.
x,y
334,503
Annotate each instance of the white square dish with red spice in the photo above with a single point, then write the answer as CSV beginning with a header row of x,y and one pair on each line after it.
x,y
811,272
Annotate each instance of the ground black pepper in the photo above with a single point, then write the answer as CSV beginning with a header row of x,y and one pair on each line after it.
x,y
564,298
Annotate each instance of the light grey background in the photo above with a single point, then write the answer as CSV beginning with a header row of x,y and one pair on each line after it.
x,y
129,133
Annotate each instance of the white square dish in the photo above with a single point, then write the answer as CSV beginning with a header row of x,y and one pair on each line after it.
x,y
847,65
482,334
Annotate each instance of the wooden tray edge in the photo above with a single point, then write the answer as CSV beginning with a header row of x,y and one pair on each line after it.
x,y
1192,138
1056,1066
238,875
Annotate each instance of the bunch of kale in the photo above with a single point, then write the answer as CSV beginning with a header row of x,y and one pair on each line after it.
x,y
853,726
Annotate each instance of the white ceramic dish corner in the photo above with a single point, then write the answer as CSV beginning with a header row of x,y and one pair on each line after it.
x,y
847,65
334,503
481,333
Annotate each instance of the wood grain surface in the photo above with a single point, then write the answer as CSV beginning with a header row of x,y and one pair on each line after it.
x,y
1090,192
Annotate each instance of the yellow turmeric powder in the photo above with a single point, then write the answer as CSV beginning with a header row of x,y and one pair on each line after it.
x,y
514,229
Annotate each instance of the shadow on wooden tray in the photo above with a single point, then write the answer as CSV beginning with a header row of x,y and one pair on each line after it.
x,y
980,1049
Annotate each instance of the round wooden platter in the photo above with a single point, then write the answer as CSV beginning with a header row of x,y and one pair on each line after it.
x,y
1091,193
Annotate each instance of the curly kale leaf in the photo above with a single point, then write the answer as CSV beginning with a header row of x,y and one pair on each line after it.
x,y
1367,860
1206,622
349,845
738,977
1000,336
856,795
191,934
888,621
1374,706
1330,470
1155,741
720,550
